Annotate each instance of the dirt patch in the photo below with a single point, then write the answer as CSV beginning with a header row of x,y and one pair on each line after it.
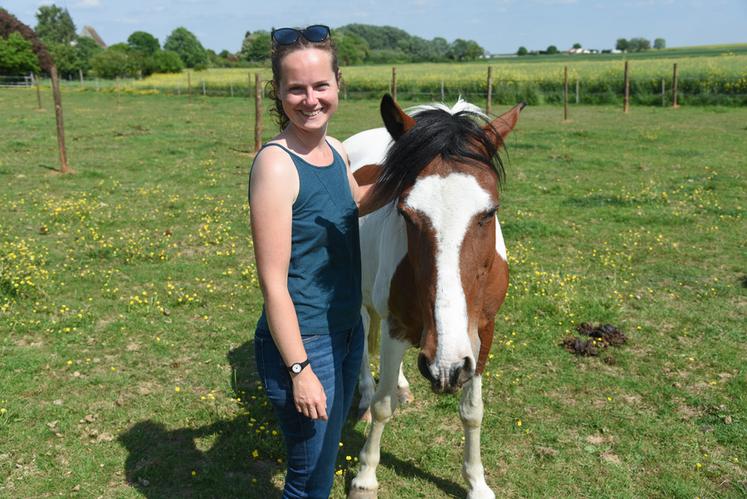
x,y
610,457
600,336
605,332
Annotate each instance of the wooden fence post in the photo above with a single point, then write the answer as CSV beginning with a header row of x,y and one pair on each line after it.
x,y
578,98
57,95
203,89
231,89
80,74
565,93
674,87
489,105
394,82
257,112
626,98
443,95
38,92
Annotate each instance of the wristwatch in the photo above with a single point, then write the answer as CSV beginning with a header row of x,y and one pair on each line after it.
x,y
297,367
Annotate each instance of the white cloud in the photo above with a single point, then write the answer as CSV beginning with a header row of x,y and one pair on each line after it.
x,y
88,4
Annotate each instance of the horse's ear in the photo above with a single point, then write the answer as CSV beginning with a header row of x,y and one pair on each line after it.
x,y
504,123
395,119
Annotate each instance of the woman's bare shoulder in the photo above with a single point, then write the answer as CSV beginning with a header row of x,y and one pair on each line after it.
x,y
273,171
338,147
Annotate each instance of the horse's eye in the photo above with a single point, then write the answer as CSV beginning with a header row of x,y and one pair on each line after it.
x,y
487,216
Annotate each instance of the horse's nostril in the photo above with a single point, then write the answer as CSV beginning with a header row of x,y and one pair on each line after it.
x,y
468,366
423,368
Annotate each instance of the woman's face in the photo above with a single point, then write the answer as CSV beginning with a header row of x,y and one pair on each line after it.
x,y
308,88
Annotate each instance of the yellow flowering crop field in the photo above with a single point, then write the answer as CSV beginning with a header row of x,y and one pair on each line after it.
x,y
717,79
128,298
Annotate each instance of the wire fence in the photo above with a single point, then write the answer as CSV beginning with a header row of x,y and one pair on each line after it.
x,y
14,81
649,91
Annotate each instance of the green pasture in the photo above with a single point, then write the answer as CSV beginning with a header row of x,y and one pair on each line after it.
x,y
128,297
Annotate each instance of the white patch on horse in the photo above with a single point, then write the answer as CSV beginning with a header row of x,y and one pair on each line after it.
x,y
500,245
449,203
458,107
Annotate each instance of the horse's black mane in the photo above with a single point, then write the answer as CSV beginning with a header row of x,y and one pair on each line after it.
x,y
458,138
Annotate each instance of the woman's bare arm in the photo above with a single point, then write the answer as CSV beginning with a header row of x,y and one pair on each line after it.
x,y
273,188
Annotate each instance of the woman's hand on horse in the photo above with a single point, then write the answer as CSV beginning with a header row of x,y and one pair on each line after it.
x,y
309,396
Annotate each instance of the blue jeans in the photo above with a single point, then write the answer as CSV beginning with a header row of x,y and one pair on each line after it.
x,y
312,445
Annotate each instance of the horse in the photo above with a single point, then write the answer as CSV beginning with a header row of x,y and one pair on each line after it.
x,y
434,266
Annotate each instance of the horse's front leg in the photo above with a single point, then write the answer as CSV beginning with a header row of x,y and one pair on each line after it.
x,y
470,411
384,403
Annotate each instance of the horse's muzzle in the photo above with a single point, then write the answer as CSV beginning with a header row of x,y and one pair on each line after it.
x,y
450,379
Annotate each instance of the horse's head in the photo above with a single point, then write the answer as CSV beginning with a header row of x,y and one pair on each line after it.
x,y
443,173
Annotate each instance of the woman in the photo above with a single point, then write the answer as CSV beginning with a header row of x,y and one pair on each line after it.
x,y
304,215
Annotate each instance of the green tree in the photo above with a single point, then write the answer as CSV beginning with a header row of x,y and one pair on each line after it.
x,y
576,45
66,59
256,46
622,44
116,61
552,49
167,61
440,48
351,48
54,25
660,43
522,51
189,48
17,56
143,42
85,49
465,50
639,44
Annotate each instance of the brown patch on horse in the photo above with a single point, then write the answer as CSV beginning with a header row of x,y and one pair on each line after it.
x,y
412,292
495,294
367,174
405,316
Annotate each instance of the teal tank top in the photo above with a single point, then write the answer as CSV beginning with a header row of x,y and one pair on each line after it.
x,y
324,275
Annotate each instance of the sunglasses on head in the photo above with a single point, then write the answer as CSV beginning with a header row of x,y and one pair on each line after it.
x,y
288,36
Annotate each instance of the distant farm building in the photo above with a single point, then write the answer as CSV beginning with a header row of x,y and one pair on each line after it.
x,y
89,32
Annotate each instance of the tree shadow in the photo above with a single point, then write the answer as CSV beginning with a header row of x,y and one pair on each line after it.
x,y
216,460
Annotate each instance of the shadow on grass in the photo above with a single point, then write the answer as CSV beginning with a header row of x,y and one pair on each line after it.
x,y
215,460
354,441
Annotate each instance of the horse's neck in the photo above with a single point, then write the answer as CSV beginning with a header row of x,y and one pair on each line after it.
x,y
383,246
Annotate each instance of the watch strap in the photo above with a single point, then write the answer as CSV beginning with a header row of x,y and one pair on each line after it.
x,y
298,366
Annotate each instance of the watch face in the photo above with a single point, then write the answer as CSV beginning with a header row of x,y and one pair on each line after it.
x,y
296,368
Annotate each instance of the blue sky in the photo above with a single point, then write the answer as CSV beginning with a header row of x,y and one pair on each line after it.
x,y
500,26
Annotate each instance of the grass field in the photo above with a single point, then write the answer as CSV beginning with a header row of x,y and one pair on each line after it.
x,y
128,297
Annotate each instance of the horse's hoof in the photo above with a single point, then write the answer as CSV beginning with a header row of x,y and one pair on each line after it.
x,y
481,493
356,493
404,395
365,416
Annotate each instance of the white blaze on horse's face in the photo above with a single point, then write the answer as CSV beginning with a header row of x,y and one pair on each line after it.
x,y
450,203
